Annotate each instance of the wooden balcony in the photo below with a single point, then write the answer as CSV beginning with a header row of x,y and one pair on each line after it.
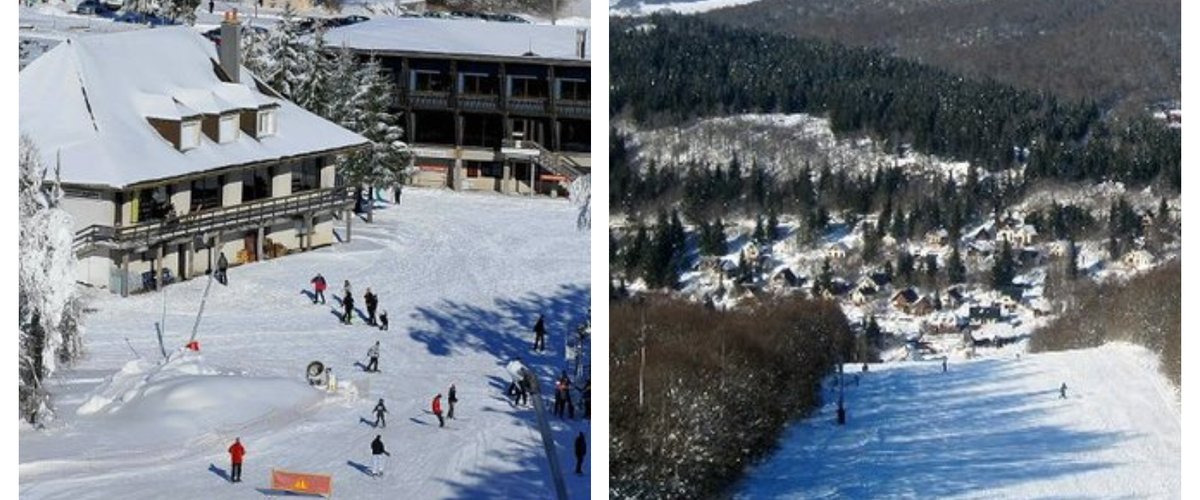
x,y
226,219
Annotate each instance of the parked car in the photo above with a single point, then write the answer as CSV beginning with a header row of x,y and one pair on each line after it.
x,y
93,8
143,18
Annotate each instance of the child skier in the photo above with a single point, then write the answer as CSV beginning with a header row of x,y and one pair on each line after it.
x,y
383,321
379,411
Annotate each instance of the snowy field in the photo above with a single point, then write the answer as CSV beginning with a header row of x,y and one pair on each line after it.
x,y
463,277
989,428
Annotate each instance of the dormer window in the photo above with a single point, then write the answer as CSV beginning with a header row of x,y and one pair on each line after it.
x,y
228,129
266,123
189,134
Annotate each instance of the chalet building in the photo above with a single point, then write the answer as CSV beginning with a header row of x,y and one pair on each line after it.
x,y
171,155
1016,235
1138,259
904,299
836,251
980,315
785,279
486,105
937,237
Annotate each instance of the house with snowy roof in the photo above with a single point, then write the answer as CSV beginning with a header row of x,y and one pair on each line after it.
x,y
171,155
487,105
1138,259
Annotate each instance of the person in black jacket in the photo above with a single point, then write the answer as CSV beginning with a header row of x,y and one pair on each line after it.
x,y
377,453
453,398
348,305
372,302
580,451
539,330
383,321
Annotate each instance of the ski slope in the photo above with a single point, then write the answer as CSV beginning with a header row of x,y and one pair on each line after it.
x,y
989,428
463,278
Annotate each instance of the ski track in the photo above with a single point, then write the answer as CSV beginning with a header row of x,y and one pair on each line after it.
x,y
462,276
989,428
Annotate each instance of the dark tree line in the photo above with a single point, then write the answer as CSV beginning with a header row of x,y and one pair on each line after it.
x,y
670,69
697,394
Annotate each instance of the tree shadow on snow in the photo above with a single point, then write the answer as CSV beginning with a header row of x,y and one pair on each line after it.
x,y
963,439
504,329
221,473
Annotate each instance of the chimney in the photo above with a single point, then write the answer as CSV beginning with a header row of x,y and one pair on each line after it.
x,y
581,43
230,48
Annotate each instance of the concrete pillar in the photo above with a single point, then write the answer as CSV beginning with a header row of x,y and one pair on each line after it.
x,y
456,173
506,179
191,259
158,265
258,245
125,274
281,183
231,192
349,217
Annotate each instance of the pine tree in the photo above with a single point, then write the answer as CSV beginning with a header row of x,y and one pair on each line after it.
x,y
1072,259
824,282
772,226
904,265
49,306
870,249
956,272
1003,270
386,162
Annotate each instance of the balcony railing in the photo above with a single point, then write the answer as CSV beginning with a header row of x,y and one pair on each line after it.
x,y
574,109
533,105
468,102
219,219
429,100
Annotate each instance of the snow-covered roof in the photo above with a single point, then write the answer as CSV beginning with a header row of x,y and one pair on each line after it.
x,y
87,102
469,37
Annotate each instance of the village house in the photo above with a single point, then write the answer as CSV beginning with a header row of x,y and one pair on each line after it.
x,y
1016,235
1138,259
486,105
980,315
941,323
937,237
924,305
752,252
784,279
171,155
836,251
904,299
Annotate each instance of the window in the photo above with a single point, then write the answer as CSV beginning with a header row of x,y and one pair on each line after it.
x,y
152,204
206,193
189,135
574,90
429,81
266,123
306,175
256,185
526,86
477,84
228,130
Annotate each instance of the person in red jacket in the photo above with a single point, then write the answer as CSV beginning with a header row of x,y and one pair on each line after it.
x,y
319,284
236,452
437,410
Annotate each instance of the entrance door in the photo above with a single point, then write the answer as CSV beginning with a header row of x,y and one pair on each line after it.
x,y
250,243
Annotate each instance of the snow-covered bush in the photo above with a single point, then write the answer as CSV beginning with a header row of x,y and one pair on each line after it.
x,y
49,304
581,196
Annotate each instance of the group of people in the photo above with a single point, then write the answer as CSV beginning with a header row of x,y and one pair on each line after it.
x,y
370,300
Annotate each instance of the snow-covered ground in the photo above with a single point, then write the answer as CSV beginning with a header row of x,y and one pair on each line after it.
x,y
683,7
463,278
989,428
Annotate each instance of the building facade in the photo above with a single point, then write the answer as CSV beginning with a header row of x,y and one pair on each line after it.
x,y
486,105
172,155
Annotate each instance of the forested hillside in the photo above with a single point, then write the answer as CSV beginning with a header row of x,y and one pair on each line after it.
x,y
1124,54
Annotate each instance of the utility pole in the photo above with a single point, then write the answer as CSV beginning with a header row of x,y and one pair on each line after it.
x,y
642,368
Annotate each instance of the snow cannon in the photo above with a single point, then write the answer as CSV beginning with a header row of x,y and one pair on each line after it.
x,y
317,374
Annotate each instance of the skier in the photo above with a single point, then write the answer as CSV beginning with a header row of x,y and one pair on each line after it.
x,y
452,398
222,269
318,283
372,302
377,453
373,356
210,6
396,192
865,368
383,322
523,392
346,291
559,403
539,330
580,451
348,305
437,410
236,452
1062,391
943,365
379,411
